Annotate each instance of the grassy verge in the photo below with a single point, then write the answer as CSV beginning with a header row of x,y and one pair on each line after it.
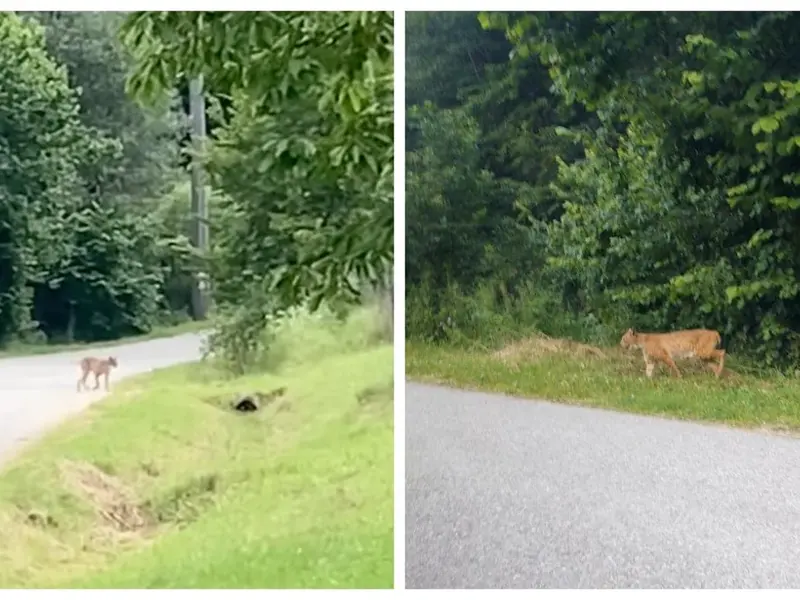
x,y
164,485
20,349
609,378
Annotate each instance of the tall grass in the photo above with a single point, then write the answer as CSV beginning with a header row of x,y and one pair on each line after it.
x,y
487,317
302,337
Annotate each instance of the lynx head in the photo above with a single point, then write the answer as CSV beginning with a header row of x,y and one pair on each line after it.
x,y
629,339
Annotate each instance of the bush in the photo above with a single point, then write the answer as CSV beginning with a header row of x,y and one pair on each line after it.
x,y
489,318
243,341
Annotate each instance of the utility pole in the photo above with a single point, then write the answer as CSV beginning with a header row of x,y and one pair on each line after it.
x,y
197,108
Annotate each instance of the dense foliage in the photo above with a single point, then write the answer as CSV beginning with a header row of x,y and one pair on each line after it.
x,y
76,260
579,173
95,218
302,156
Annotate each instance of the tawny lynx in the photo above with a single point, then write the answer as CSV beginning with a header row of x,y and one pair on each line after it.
x,y
99,367
665,347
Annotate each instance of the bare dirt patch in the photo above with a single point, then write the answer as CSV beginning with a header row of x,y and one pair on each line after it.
x,y
535,348
113,502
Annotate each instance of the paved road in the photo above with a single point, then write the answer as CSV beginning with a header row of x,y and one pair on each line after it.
x,y
507,493
37,392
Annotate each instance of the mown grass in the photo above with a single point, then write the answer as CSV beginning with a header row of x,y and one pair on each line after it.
x,y
23,349
610,378
296,495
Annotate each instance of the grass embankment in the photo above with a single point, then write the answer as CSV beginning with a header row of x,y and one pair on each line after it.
x,y
163,485
22,349
610,378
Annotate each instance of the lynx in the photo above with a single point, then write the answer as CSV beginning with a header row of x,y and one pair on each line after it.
x,y
665,347
99,367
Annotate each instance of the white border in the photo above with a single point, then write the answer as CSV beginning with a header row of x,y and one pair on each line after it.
x,y
197,5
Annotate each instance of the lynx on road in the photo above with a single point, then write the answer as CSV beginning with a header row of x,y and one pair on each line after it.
x,y
38,391
99,367
702,344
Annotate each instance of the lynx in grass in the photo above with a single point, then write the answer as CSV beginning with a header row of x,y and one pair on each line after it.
x,y
99,367
665,347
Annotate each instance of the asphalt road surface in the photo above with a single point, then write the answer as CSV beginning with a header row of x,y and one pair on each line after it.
x,y
37,392
508,493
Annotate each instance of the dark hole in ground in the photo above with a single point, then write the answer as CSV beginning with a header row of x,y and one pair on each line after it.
x,y
257,400
246,404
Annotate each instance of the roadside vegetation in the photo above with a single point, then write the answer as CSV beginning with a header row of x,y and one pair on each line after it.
x,y
571,175
164,484
561,370
17,348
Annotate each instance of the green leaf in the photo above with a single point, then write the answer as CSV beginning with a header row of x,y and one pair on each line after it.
x,y
785,203
765,124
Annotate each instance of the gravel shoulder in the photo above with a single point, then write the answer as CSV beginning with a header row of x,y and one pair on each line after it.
x,y
509,493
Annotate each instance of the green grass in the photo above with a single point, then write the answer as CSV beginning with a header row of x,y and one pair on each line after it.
x,y
296,495
613,380
22,349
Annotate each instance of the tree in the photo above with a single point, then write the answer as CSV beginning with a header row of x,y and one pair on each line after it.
x,y
43,147
73,264
682,207
87,43
483,148
304,159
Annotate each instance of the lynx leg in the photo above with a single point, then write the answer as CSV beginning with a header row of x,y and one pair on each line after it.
x,y
96,380
665,357
672,365
662,355
649,367
106,380
82,380
715,355
721,355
